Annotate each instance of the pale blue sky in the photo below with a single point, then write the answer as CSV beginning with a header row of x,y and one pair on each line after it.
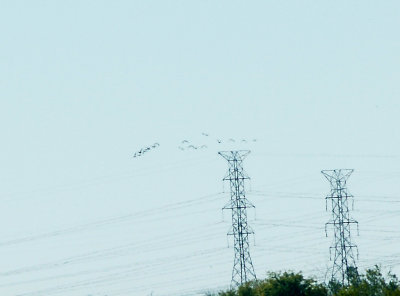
x,y
85,84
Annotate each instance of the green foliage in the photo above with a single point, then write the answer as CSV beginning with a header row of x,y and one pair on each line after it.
x,y
228,293
372,283
290,284
280,284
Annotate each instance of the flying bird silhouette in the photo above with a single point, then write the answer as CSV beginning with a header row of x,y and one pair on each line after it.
x,y
145,149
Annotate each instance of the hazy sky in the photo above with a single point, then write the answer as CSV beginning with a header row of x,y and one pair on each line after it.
x,y
86,84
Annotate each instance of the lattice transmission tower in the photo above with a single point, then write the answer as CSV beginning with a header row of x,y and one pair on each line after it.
x,y
243,270
344,262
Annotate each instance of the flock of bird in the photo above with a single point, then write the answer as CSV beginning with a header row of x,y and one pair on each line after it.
x,y
186,145
146,149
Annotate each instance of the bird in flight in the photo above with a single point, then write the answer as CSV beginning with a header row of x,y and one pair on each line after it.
x,y
146,149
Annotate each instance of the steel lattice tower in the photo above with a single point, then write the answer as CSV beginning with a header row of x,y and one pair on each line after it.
x,y
243,270
344,262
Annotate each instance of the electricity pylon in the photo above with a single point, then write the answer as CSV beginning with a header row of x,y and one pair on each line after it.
x,y
243,270
344,263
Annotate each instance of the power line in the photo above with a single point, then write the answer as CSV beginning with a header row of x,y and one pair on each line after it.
x,y
145,214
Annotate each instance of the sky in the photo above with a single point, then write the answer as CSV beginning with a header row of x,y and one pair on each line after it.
x,y
309,85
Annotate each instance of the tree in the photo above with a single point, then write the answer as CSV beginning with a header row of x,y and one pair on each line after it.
x,y
280,284
372,283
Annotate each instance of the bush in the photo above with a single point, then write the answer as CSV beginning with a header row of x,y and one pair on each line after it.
x,y
372,283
